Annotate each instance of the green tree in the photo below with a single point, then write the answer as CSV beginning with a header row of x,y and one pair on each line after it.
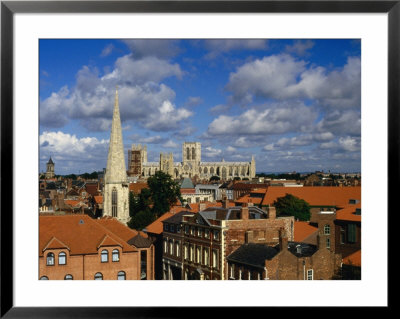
x,y
290,205
141,219
164,192
214,178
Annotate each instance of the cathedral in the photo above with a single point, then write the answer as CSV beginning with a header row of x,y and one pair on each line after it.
x,y
190,166
116,187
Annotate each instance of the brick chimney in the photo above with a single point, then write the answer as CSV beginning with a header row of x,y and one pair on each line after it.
x,y
245,211
283,239
271,212
225,202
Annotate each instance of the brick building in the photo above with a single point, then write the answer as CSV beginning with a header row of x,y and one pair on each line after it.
x,y
288,260
197,244
81,248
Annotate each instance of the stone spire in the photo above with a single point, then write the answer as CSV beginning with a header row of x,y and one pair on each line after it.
x,y
116,169
116,190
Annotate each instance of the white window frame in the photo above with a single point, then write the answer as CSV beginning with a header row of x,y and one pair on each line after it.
x,y
327,229
310,274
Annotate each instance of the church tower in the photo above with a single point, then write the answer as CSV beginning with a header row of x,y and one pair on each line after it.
x,y
116,188
50,168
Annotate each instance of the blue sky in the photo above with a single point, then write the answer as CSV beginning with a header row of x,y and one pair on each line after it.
x,y
293,104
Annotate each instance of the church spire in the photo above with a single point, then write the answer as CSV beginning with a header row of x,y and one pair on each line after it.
x,y
116,169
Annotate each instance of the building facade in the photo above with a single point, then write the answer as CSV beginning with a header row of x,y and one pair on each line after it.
x,y
77,247
50,169
116,187
190,166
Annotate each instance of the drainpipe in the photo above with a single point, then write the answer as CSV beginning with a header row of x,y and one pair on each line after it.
x,y
304,269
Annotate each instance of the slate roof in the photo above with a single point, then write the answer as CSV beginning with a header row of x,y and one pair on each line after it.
x,y
307,250
177,218
253,254
140,242
50,161
187,183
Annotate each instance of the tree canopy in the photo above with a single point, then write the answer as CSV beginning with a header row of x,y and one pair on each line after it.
x,y
290,205
154,201
214,178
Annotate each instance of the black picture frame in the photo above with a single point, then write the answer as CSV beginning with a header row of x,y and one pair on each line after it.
x,y
9,8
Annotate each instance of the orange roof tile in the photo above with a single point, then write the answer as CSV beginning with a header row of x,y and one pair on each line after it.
x,y
72,203
137,187
303,230
81,233
354,259
119,228
156,227
98,199
315,195
108,241
54,243
348,213
248,199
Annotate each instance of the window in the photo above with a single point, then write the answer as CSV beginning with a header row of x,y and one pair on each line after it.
x,y
115,255
104,256
342,235
216,234
172,228
68,277
114,202
166,227
50,259
165,246
171,247
232,271
240,274
351,233
199,232
198,255
192,231
44,278
62,258
191,253
186,229
98,276
121,275
143,265
207,233
215,259
328,242
327,230
186,252
206,256
310,274
177,250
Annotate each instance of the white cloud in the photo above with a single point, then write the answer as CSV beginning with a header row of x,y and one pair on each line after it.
x,y
170,144
107,50
211,152
274,120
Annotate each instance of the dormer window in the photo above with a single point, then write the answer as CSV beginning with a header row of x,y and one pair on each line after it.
x,y
216,234
298,249
50,259
62,258
104,256
115,255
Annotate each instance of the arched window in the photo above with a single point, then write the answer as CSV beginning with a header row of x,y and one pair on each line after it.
x,y
98,276
165,246
171,247
193,153
62,258
121,275
212,170
187,153
114,202
68,277
177,250
104,256
205,170
115,255
44,278
50,259
327,230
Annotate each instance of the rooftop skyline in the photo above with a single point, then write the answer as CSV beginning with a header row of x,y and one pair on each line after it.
x,y
293,104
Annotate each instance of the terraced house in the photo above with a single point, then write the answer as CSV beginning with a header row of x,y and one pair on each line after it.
x,y
77,247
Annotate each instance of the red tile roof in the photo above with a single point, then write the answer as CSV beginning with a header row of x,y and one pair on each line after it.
x,y
54,243
119,228
156,227
303,231
80,233
354,259
315,195
137,187
73,203
348,213
98,199
92,189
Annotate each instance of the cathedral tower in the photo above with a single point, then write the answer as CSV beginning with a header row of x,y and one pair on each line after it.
x,y
50,168
116,188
